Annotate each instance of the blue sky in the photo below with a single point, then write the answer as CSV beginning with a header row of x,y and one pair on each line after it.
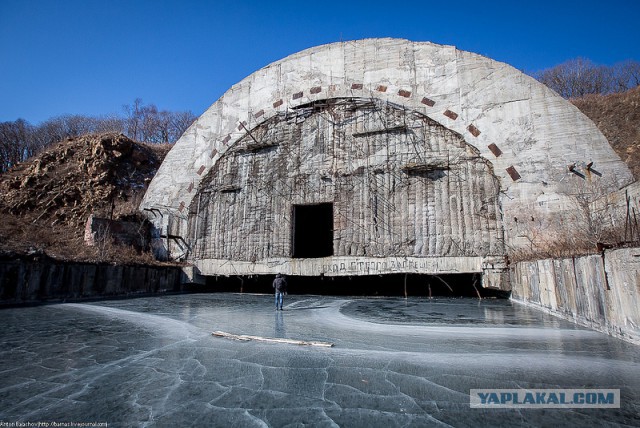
x,y
91,57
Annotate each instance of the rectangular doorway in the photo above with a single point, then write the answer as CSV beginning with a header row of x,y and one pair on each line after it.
x,y
312,230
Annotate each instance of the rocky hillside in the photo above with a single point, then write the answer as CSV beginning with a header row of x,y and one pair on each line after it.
x,y
46,201
618,117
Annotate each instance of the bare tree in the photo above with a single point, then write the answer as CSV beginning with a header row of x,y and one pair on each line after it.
x,y
59,128
579,77
147,123
180,122
627,75
164,126
169,126
20,140
111,123
147,126
134,118
14,142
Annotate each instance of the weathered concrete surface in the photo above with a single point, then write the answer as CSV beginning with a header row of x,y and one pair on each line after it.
x,y
600,292
492,270
525,138
344,266
99,231
27,281
398,185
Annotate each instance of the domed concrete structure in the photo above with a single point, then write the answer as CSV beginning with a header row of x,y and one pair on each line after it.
x,y
378,156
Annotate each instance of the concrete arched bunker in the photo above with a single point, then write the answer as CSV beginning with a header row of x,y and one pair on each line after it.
x,y
525,131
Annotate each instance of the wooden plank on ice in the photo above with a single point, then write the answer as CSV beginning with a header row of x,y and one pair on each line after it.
x,y
244,337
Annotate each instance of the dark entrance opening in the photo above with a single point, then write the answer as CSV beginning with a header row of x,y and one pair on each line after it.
x,y
392,285
312,230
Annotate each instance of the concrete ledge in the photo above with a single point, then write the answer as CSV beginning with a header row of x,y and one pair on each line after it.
x,y
493,270
342,266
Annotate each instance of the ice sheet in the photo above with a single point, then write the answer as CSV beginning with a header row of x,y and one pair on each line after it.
x,y
396,362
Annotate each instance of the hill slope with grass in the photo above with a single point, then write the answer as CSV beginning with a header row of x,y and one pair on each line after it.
x,y
618,118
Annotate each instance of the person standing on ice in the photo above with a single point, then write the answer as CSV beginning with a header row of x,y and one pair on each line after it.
x,y
280,285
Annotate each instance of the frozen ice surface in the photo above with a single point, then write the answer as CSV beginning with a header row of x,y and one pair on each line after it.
x,y
396,362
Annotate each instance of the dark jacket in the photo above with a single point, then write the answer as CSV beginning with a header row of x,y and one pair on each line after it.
x,y
280,284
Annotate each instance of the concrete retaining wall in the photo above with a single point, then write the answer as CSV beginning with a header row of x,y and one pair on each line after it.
x,y
37,280
598,291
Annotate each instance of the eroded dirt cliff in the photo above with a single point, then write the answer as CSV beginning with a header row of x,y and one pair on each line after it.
x,y
45,201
